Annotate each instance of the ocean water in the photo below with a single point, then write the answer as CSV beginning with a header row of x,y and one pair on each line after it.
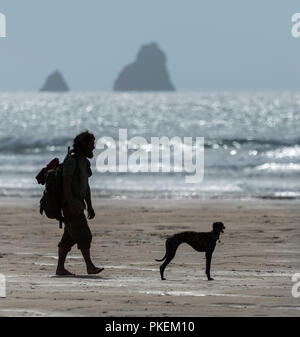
x,y
252,140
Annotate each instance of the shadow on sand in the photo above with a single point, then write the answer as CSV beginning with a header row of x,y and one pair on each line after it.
x,y
90,277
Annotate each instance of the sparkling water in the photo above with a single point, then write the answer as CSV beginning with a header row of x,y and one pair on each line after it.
x,y
252,140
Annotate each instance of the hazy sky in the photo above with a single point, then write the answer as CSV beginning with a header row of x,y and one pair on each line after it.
x,y
210,44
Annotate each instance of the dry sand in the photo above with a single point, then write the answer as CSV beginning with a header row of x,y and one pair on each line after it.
x,y
252,266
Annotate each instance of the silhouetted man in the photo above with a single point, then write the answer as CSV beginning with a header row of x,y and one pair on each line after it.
x,y
77,196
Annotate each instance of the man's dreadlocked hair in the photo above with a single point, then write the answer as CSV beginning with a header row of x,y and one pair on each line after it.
x,y
80,141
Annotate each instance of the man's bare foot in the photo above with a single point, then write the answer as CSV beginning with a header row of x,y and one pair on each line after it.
x,y
94,270
63,272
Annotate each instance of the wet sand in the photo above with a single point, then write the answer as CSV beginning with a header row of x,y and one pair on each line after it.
x,y
252,266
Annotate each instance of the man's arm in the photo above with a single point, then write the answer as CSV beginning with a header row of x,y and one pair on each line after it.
x,y
88,200
88,197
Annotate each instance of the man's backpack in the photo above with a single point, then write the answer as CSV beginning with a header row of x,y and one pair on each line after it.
x,y
51,201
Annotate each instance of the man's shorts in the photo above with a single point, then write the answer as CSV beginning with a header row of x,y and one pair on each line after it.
x,y
76,231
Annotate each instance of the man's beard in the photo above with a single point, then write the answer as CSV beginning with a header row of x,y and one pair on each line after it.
x,y
88,153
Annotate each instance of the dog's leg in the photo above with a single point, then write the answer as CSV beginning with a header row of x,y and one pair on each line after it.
x,y
208,256
169,258
163,267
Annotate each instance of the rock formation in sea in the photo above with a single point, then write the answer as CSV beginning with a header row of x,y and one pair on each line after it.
x,y
55,82
148,72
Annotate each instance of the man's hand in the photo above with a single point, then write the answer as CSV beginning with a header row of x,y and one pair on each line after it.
x,y
91,213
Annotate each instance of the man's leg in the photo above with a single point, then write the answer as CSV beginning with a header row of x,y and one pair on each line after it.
x,y
90,267
84,244
62,254
64,247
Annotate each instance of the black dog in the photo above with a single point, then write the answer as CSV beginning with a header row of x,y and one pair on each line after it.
x,y
202,242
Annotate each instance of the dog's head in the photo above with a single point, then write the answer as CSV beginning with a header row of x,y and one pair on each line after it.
x,y
218,227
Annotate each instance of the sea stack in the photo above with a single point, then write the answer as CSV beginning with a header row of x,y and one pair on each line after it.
x,y
55,83
148,73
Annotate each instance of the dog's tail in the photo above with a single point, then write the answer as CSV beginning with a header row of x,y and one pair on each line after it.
x,y
161,259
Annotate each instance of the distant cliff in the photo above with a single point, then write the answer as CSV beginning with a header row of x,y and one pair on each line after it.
x,y
55,83
147,73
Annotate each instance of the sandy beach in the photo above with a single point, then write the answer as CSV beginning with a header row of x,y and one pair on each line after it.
x,y
252,266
